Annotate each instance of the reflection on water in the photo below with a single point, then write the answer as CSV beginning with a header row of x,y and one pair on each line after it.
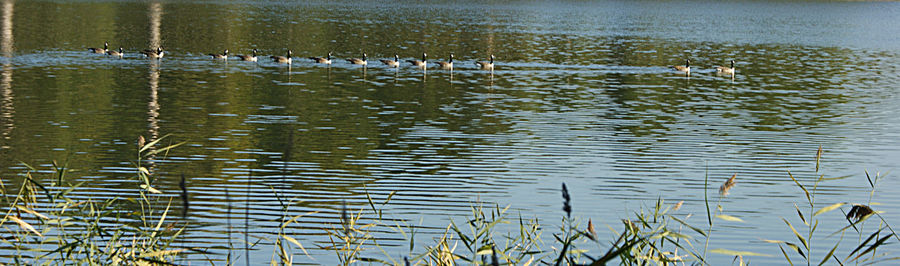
x,y
7,110
585,98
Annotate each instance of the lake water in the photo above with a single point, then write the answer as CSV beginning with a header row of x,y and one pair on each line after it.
x,y
582,94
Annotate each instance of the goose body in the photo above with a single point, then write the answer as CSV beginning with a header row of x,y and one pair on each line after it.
x,y
251,58
100,50
119,53
357,61
159,53
392,63
686,68
448,64
322,60
223,55
422,64
726,70
283,59
486,65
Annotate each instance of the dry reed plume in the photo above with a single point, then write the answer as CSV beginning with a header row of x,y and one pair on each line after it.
x,y
859,211
723,190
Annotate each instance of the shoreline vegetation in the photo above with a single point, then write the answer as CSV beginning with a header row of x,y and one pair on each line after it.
x,y
42,224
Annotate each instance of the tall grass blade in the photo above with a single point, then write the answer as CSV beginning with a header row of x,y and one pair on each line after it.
x,y
830,254
829,208
786,257
800,213
738,253
873,246
389,196
705,196
161,219
698,230
729,218
32,212
166,148
297,243
863,244
150,144
871,184
25,225
808,198
802,239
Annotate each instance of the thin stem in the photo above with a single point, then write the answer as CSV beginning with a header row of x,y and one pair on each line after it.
x,y
247,218
708,216
812,204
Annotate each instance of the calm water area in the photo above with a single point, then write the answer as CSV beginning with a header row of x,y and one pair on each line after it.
x,y
581,93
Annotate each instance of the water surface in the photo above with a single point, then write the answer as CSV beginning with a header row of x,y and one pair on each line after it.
x,y
581,94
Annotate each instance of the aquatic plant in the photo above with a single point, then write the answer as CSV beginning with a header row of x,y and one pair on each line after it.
x,y
856,217
68,230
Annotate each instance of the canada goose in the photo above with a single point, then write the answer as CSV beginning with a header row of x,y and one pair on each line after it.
x,y
119,53
686,68
282,59
422,64
154,54
223,55
486,65
323,60
726,70
392,63
98,50
446,65
357,61
251,58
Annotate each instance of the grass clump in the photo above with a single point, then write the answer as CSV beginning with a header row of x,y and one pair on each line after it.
x,y
44,224
68,230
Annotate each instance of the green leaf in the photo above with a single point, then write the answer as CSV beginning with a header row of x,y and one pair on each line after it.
x,y
802,240
825,259
829,208
737,253
678,235
165,148
808,198
148,145
698,230
144,170
297,243
388,199
799,213
796,248
151,189
873,246
729,218
835,178
864,243
773,241
786,255
25,225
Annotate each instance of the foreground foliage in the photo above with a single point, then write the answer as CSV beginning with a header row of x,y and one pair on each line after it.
x,y
43,224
